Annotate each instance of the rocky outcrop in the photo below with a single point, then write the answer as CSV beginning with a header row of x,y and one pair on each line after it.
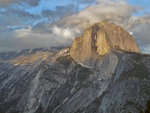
x,y
99,40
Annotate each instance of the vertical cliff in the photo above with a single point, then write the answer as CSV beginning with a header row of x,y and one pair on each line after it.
x,y
99,40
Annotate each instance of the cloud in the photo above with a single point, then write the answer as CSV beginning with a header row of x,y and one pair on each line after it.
x,y
6,2
145,49
87,1
142,33
59,12
15,17
65,32
32,2
10,2
10,43
59,26
118,12
140,27
36,39
28,38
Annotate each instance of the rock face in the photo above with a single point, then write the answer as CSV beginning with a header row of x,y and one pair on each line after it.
x,y
99,40
55,82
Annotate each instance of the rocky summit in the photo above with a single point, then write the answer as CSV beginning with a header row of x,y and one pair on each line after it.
x,y
103,72
100,39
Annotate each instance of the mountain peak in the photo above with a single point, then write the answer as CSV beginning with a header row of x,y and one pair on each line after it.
x,y
100,39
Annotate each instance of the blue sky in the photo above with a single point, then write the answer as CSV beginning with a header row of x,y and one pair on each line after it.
x,y
145,4
51,4
46,23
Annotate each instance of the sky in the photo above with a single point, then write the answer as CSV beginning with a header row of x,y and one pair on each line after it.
x,y
52,23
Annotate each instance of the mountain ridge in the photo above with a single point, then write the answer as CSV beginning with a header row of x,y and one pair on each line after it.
x,y
117,82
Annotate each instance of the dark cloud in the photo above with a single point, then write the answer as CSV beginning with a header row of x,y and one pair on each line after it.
x,y
21,13
87,1
60,12
52,16
15,17
10,2
7,2
32,2
42,27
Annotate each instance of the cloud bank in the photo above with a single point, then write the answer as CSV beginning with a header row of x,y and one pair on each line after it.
x,y
58,27
118,12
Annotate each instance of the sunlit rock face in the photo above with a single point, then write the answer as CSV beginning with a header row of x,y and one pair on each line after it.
x,y
100,39
31,58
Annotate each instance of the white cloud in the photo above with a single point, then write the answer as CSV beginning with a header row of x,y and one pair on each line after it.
x,y
65,32
21,33
28,38
114,11
146,49
131,33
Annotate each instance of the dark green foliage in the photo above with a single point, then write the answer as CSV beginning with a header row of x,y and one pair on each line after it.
x,y
65,60
14,112
39,110
148,107
137,71
140,71
136,67
147,110
83,74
